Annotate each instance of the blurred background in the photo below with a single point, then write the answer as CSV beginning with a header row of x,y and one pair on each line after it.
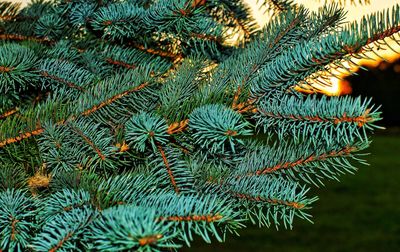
x,y
362,212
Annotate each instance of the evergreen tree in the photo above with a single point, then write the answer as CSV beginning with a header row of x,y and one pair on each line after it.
x,y
140,125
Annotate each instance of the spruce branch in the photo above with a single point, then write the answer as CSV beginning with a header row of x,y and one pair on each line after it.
x,y
16,67
9,113
19,37
66,74
177,169
64,201
136,125
12,176
306,161
146,128
271,200
65,231
323,118
132,228
16,220
208,214
214,126
88,105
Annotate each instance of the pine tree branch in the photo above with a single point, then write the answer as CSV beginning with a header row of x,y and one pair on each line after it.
x,y
114,98
88,141
131,58
120,63
295,205
170,174
61,80
175,57
16,219
61,242
211,135
18,37
320,118
303,161
359,120
311,57
93,108
9,113
192,218
21,137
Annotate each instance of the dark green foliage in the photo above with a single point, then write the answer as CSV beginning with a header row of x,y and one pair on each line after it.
x,y
137,125
12,176
51,26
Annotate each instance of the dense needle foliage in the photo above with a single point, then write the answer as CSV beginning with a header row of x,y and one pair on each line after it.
x,y
143,124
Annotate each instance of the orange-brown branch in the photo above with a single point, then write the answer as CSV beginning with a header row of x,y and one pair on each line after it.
x,y
17,17
360,120
120,63
296,205
7,17
166,163
177,127
231,132
292,24
13,229
197,3
18,37
90,142
207,37
389,32
175,57
114,98
236,97
21,137
5,69
288,165
8,113
60,243
207,218
40,130
149,239
61,80
245,107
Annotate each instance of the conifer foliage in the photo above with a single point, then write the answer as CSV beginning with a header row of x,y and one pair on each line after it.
x,y
140,125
